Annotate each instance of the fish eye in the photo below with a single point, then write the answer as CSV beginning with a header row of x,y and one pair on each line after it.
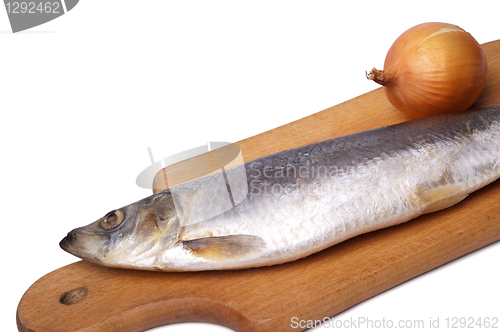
x,y
112,219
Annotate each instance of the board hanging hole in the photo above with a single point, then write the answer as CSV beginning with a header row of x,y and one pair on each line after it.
x,y
73,296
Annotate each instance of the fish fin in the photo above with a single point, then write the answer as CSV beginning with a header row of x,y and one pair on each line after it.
x,y
223,247
442,197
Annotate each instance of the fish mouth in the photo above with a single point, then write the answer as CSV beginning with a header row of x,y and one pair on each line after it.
x,y
66,245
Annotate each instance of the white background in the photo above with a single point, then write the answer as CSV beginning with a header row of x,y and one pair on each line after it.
x,y
83,96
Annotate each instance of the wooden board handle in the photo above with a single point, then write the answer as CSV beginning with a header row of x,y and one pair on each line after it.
x,y
87,297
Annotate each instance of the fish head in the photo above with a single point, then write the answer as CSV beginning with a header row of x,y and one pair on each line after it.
x,y
129,237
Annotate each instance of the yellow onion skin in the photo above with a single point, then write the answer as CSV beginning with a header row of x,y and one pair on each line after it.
x,y
433,68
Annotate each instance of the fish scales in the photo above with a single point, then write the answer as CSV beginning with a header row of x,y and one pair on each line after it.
x,y
300,201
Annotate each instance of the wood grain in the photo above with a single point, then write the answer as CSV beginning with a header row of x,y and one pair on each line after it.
x,y
265,299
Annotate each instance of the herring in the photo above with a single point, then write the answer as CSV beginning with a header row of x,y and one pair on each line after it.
x,y
303,200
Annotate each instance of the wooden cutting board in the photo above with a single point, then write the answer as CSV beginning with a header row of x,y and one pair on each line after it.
x,y
87,297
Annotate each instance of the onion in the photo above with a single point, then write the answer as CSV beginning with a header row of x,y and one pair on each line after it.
x,y
432,68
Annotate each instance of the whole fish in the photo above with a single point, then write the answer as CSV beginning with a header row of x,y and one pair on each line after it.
x,y
302,200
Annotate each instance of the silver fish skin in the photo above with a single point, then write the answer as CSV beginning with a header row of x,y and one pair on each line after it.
x,y
303,200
